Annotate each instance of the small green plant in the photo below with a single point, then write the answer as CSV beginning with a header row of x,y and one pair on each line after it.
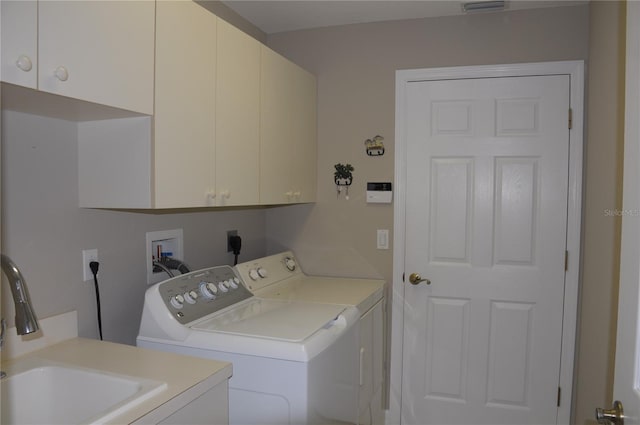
x,y
343,173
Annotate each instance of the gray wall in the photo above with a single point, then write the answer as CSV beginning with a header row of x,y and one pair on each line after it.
x,y
44,232
603,190
355,66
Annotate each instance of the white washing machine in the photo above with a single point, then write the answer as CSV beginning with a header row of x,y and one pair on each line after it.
x,y
280,277
293,362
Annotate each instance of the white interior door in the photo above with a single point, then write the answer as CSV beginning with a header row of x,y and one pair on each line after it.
x,y
487,175
627,371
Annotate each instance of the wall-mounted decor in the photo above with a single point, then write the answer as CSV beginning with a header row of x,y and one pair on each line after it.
x,y
343,178
374,147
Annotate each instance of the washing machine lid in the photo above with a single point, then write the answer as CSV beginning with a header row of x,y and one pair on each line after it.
x,y
272,319
362,293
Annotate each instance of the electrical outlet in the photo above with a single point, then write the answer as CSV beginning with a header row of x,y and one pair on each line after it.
x,y
229,234
88,255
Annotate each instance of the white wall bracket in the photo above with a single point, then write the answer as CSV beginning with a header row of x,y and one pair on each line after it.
x,y
167,242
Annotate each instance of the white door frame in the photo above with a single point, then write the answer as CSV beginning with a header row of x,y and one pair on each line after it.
x,y
574,213
627,367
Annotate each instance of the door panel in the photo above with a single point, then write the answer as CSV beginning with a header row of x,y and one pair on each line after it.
x,y
451,193
515,210
447,348
486,217
509,365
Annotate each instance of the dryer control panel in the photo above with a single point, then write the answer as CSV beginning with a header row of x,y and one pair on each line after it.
x,y
260,273
197,294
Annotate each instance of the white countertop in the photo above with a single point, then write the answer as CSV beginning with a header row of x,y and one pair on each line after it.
x,y
180,373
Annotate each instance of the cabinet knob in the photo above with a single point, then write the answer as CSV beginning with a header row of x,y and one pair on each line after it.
x,y
61,73
24,63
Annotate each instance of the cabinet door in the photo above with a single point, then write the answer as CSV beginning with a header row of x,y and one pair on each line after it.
x,y
303,122
185,105
288,131
19,42
99,51
276,155
237,117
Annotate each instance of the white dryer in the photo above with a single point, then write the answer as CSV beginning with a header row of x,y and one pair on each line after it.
x,y
293,362
280,277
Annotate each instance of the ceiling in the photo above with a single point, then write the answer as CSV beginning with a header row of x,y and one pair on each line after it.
x,y
273,16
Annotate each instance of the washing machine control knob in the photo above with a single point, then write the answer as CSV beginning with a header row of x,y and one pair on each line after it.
x,y
208,290
190,296
262,272
253,274
177,301
290,263
233,283
223,286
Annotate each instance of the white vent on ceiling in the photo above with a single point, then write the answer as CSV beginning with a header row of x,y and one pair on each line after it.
x,y
483,6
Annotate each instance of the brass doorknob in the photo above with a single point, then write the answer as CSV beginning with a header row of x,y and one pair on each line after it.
x,y
415,278
613,416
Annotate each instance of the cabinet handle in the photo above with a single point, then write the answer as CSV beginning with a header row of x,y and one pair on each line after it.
x,y
24,63
61,73
288,194
297,194
361,366
225,194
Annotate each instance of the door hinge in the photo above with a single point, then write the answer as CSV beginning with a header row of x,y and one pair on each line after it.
x,y
570,118
559,392
566,261
403,277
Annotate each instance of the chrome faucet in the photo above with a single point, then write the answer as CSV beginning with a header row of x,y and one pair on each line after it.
x,y
26,321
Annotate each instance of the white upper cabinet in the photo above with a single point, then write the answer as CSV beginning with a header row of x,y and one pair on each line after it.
x,y
237,117
97,51
288,131
234,124
19,43
185,106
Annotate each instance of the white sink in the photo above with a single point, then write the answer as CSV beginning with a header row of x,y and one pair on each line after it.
x,y
60,394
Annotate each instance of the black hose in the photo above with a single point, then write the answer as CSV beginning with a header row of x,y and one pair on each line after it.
x,y
174,264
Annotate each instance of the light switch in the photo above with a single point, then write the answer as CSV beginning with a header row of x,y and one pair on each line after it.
x,y
383,239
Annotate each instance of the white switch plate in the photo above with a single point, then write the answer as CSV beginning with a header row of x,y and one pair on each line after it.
x,y
88,255
383,239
